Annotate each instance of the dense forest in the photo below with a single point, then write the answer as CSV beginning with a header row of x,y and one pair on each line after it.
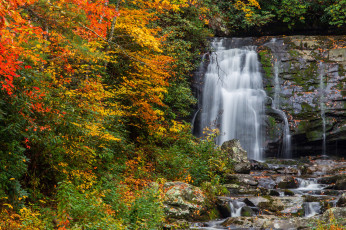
x,y
96,102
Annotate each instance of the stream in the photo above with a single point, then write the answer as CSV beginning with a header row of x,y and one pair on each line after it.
x,y
280,194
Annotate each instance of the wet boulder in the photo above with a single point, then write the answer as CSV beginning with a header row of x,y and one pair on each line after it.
x,y
256,200
274,193
238,155
305,170
256,165
331,179
184,201
288,170
340,184
288,192
247,211
342,201
223,207
273,205
286,182
243,179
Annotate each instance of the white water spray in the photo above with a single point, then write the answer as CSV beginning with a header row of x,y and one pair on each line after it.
x,y
286,146
322,106
236,207
312,208
233,97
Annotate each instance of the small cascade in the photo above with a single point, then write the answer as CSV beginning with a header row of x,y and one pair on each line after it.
x,y
194,120
309,184
322,106
312,208
211,225
236,207
303,200
276,84
200,72
286,146
233,97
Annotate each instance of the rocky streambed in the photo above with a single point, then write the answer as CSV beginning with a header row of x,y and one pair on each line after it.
x,y
283,194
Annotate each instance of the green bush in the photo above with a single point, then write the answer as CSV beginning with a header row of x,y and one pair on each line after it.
x,y
147,211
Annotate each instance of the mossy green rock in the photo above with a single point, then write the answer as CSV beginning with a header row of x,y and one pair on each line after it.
x,y
312,89
237,154
183,201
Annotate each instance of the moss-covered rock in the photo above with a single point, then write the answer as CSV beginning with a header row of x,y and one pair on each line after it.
x,y
311,73
183,201
238,155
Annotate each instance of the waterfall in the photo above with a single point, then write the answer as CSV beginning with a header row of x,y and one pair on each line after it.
x,y
322,106
233,97
286,145
235,207
309,184
312,208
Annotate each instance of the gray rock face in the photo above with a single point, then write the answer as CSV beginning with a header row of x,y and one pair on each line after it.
x,y
243,179
286,182
311,92
273,205
340,184
247,211
331,179
237,154
222,204
342,201
184,201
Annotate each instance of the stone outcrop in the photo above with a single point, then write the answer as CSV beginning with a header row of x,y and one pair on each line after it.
x,y
342,201
238,155
312,92
183,201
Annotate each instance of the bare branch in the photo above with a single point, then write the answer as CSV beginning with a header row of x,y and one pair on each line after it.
x,y
113,23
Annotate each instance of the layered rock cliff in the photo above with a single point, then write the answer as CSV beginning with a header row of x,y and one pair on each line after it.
x,y
310,87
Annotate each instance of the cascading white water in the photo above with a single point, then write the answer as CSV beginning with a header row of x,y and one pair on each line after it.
x,y
277,88
233,97
286,146
312,208
309,184
322,106
236,207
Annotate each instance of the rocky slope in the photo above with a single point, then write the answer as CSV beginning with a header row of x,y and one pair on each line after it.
x,y
284,194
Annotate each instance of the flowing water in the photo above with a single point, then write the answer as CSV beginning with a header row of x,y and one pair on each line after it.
x,y
309,184
236,207
286,146
322,106
311,208
306,198
233,97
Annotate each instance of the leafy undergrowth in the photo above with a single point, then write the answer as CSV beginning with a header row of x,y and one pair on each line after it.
x,y
331,224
